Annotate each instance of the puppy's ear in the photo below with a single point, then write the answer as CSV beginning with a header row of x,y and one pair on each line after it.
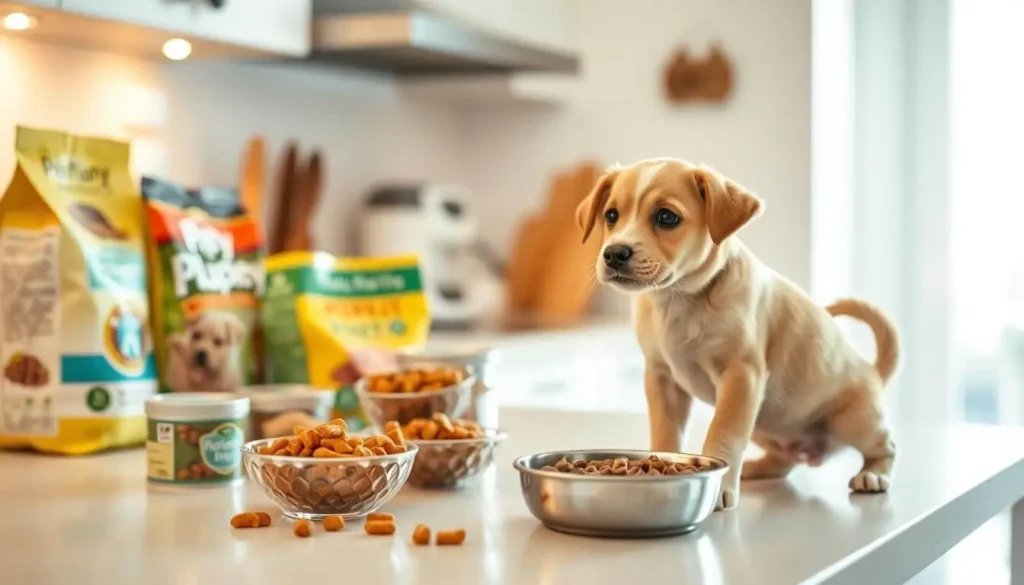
x,y
727,206
592,205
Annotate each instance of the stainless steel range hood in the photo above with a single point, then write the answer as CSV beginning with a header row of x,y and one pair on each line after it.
x,y
401,37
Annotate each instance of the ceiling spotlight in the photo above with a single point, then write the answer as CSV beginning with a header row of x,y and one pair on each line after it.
x,y
19,21
177,49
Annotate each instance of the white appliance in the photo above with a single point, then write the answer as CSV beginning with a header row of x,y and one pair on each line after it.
x,y
463,283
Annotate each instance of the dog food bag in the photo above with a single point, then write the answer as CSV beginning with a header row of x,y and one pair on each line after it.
x,y
75,348
206,277
320,313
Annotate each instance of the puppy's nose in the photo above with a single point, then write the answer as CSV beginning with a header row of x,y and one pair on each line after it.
x,y
200,358
617,256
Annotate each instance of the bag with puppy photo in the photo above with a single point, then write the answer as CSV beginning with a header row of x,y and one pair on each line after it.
x,y
206,276
328,320
75,354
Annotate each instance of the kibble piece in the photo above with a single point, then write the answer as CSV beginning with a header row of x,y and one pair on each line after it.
x,y
306,452
578,471
653,471
341,423
443,421
302,528
670,470
355,442
590,469
324,452
334,523
265,450
421,535
635,471
379,450
579,463
450,537
429,431
563,465
379,527
380,516
549,468
620,462
245,520
330,432
264,519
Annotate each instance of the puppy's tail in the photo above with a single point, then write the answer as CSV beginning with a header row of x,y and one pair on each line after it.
x,y
887,347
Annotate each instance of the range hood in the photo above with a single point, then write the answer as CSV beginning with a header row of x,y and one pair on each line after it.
x,y
403,37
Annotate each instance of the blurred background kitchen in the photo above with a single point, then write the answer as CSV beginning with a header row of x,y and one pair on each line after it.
x,y
883,135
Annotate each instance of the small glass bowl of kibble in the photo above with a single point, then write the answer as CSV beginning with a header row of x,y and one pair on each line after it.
x,y
324,471
450,452
415,393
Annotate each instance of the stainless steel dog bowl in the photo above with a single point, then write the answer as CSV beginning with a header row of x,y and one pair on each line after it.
x,y
620,506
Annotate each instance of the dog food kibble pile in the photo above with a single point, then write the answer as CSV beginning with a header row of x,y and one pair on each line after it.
x,y
439,428
329,440
250,520
652,465
418,380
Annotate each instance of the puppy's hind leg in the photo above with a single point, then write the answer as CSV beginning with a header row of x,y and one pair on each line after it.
x,y
668,407
862,425
771,465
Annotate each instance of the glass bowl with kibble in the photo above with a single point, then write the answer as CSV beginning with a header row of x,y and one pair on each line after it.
x,y
413,393
324,470
450,452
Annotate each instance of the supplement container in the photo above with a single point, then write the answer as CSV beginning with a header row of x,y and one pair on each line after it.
x,y
196,438
276,409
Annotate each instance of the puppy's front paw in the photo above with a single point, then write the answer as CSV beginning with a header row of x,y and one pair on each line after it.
x,y
870,482
729,496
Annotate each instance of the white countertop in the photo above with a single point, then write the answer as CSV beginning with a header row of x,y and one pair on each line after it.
x,y
94,520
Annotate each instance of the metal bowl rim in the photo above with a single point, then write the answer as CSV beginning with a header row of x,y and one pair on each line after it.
x,y
498,437
467,383
520,465
251,447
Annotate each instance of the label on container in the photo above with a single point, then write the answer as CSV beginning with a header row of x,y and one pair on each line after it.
x,y
195,453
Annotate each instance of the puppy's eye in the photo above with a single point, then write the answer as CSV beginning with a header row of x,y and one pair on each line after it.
x,y
217,342
666,218
196,336
611,216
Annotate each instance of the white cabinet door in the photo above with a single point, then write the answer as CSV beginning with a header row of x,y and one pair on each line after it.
x,y
276,26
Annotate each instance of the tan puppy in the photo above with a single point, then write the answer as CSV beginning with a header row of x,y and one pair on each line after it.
x,y
205,356
717,324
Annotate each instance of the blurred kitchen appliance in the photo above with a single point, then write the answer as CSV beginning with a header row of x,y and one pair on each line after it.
x,y
462,279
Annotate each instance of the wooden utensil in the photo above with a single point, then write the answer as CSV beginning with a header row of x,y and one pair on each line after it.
x,y
550,274
251,185
307,197
285,195
567,281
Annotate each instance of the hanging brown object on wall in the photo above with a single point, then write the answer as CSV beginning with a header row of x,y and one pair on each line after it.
x,y
689,79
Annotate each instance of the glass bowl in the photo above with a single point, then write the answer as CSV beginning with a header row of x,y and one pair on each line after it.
x,y
381,407
449,462
313,488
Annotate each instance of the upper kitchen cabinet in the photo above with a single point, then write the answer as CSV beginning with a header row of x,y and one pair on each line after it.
x,y
215,28
431,37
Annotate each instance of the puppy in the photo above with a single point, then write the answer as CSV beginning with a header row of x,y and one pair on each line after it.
x,y
715,323
205,357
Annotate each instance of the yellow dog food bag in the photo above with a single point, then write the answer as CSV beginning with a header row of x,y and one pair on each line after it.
x,y
319,310
74,344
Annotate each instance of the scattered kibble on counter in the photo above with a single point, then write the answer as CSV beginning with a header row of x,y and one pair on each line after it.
x,y
250,520
652,465
334,523
380,527
421,535
303,528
